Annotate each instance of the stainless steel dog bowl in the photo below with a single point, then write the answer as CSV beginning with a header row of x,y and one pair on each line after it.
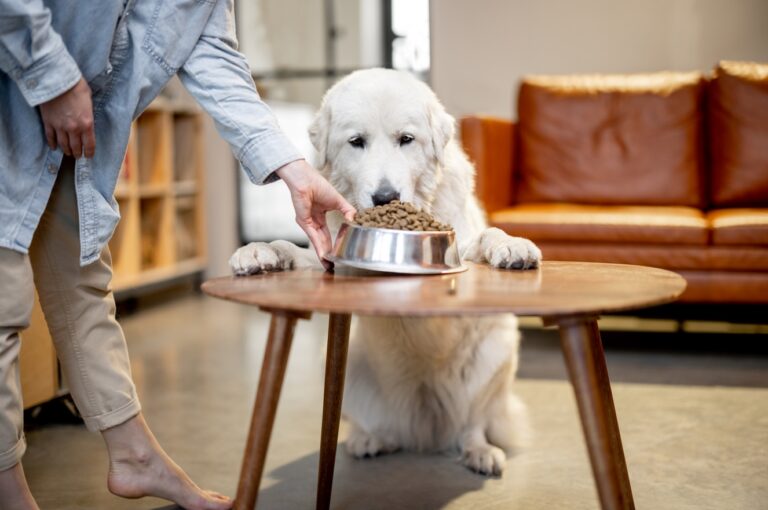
x,y
396,251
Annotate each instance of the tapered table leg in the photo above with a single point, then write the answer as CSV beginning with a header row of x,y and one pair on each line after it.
x,y
281,330
335,369
585,359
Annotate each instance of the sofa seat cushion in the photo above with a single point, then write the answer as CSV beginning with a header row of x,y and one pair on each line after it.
x,y
706,258
738,135
725,287
604,224
740,227
611,139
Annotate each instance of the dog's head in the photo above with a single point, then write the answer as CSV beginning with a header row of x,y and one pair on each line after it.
x,y
381,135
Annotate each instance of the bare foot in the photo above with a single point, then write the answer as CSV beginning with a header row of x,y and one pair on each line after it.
x,y
14,491
139,467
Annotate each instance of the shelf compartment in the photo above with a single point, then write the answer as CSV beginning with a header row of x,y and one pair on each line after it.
x,y
126,285
154,190
125,240
127,177
185,187
154,137
161,235
187,140
122,191
187,228
158,248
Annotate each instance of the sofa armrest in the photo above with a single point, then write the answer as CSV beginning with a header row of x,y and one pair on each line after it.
x,y
490,144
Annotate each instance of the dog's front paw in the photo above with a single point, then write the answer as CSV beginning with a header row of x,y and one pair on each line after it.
x,y
257,258
486,460
362,444
514,253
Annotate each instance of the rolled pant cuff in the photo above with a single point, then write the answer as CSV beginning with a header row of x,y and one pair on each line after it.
x,y
10,458
113,418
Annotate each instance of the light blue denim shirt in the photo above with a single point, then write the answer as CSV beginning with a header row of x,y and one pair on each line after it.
x,y
126,51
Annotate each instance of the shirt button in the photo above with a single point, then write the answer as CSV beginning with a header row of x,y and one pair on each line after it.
x,y
31,83
52,168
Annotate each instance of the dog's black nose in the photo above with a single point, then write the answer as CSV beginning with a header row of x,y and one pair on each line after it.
x,y
384,195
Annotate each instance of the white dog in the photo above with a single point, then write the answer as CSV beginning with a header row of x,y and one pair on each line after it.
x,y
415,383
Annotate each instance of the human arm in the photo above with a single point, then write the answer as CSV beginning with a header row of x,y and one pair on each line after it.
x,y
219,79
218,76
34,56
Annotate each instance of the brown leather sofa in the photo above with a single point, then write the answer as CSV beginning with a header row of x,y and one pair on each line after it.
x,y
666,169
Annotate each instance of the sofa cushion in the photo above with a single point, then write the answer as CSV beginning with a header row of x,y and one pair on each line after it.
x,y
611,139
700,258
739,227
738,134
490,144
604,224
725,287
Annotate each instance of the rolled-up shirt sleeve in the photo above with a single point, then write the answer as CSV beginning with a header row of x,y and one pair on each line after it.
x,y
219,78
32,53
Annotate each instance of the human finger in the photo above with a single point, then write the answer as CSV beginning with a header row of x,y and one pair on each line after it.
x,y
316,244
318,217
89,142
50,136
75,144
322,227
346,209
338,203
349,213
320,241
63,140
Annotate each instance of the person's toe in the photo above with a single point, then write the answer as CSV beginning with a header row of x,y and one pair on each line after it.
x,y
216,501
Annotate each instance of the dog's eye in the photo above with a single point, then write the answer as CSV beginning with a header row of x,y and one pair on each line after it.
x,y
405,139
357,141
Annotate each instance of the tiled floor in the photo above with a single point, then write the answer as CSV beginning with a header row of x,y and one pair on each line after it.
x,y
689,443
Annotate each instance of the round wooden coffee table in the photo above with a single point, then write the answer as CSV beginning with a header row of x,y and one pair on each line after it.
x,y
570,295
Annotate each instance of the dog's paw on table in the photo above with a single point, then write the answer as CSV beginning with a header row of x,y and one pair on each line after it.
x,y
514,253
255,258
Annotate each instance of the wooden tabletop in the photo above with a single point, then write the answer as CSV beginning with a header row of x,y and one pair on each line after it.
x,y
555,289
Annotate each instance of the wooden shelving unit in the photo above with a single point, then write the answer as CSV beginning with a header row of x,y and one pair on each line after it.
x,y
161,236
162,233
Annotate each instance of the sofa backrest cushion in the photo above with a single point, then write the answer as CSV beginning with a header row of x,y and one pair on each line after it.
x,y
611,139
738,134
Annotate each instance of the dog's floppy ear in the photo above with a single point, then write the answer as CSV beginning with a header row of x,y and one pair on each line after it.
x,y
442,126
318,134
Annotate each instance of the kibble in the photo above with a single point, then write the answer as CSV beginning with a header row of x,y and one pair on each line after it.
x,y
399,216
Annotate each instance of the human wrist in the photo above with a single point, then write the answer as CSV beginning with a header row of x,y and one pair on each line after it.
x,y
294,173
48,77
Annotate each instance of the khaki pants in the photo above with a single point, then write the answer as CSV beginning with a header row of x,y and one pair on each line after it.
x,y
80,310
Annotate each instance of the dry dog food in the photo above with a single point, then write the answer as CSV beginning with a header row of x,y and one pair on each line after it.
x,y
399,216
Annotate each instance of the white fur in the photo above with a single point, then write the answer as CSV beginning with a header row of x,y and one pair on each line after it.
x,y
423,384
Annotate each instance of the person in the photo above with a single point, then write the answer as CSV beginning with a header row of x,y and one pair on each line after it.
x,y
72,78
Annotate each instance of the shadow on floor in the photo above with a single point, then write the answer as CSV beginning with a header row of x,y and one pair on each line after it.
x,y
434,480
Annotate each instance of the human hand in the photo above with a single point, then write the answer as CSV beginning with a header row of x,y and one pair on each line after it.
x,y
312,197
68,121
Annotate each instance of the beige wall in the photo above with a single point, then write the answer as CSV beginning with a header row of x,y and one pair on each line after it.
x,y
290,35
480,49
221,200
